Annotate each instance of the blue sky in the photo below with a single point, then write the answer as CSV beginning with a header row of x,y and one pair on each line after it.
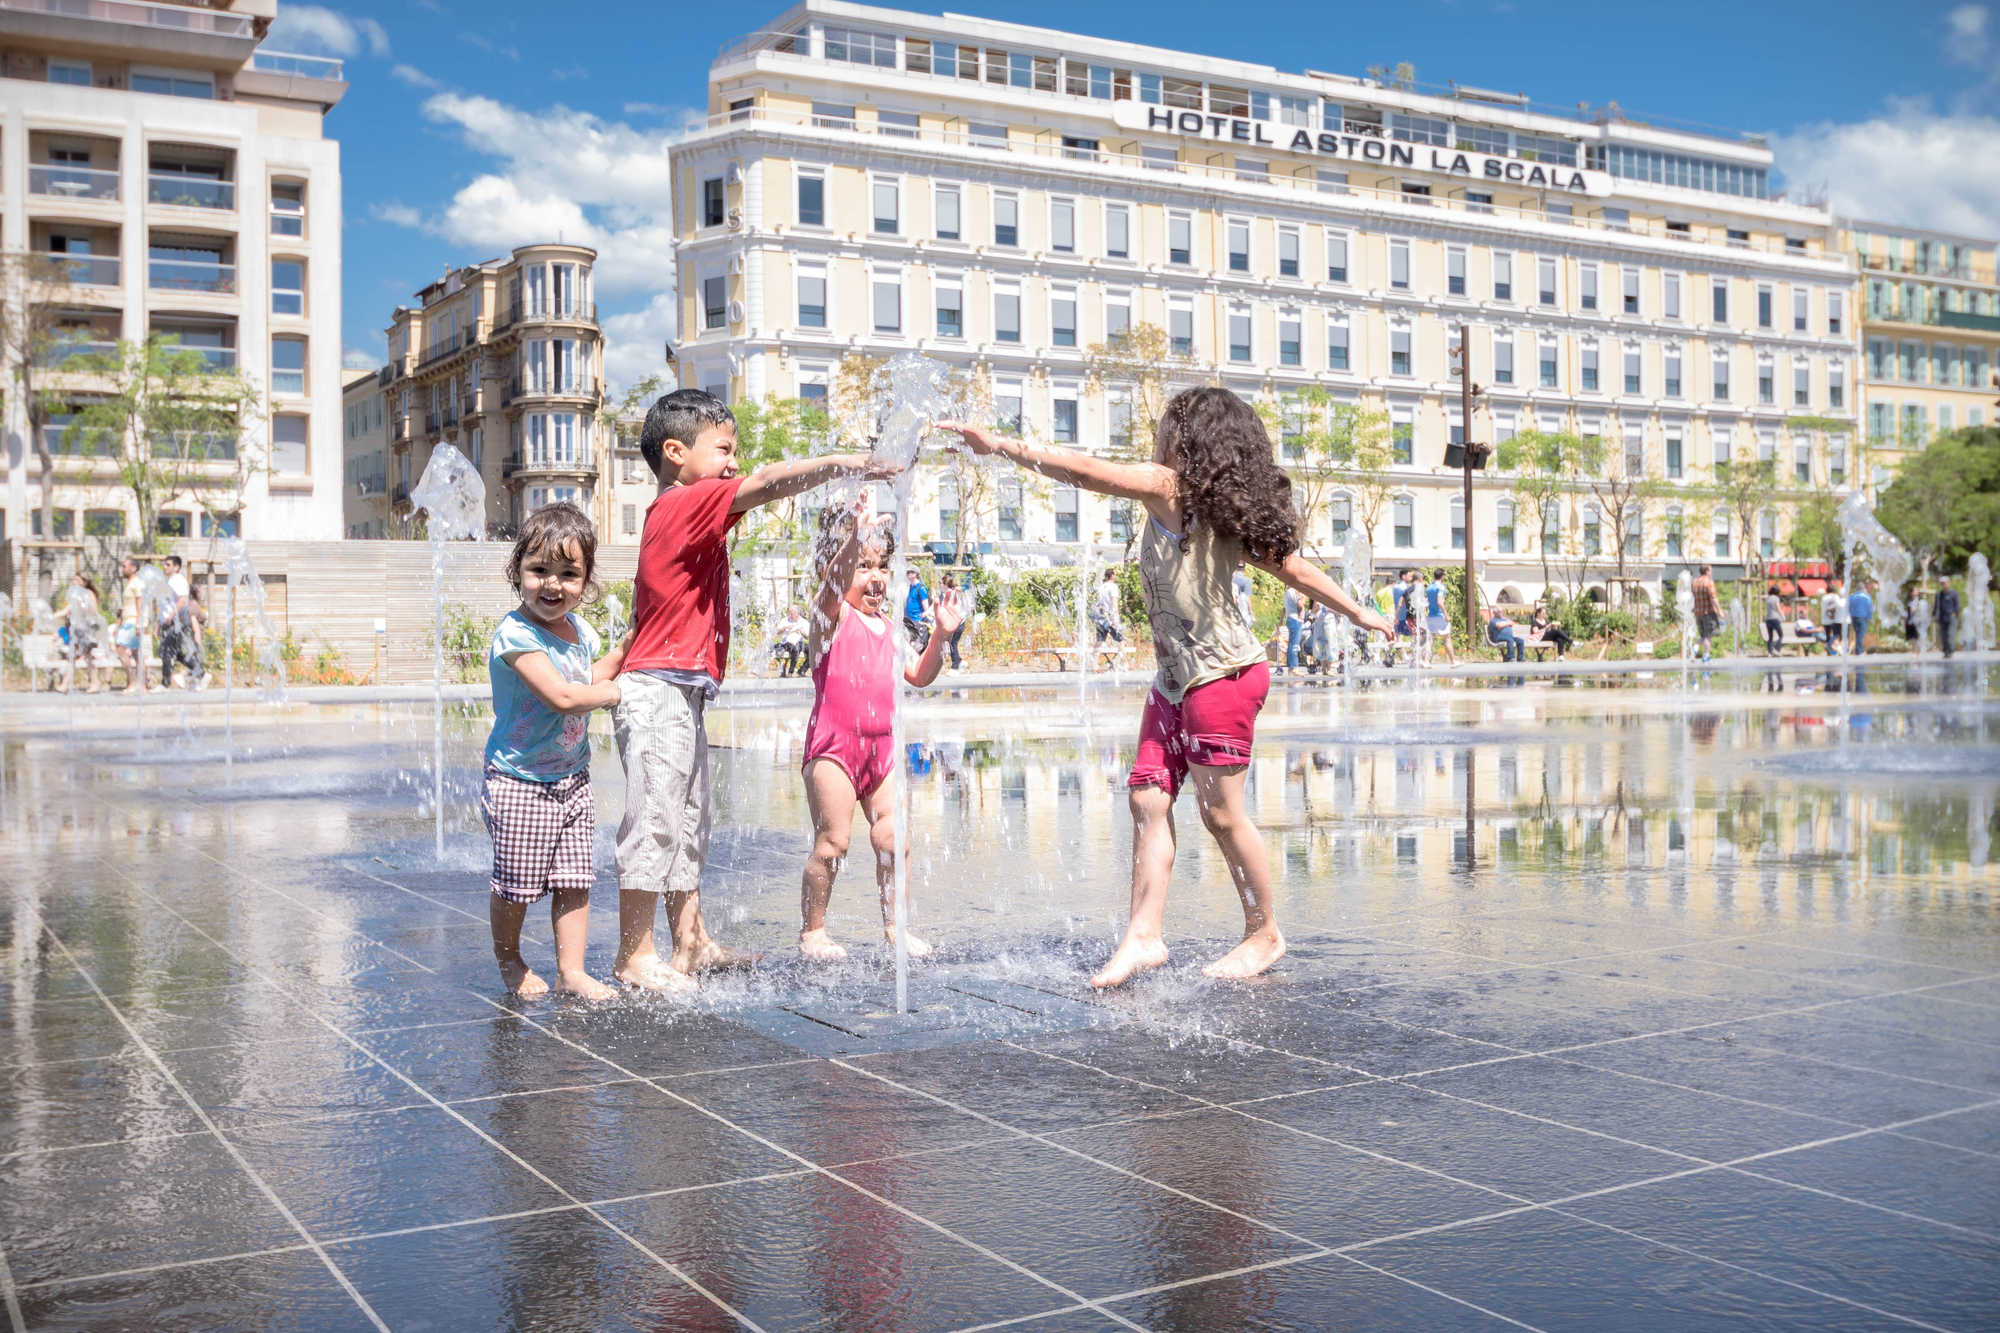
x,y
469,128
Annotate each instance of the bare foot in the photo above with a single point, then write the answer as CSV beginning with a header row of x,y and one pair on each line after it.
x,y
818,946
918,948
654,975
1257,952
583,984
708,956
521,979
1133,957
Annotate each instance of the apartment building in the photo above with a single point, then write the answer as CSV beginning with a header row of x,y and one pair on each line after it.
x,y
1003,197
364,444
504,361
1930,328
178,180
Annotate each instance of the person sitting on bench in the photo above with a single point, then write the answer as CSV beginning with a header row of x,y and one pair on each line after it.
x,y
1550,632
1504,632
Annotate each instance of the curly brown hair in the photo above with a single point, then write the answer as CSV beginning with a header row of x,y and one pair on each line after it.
x,y
560,530
1229,474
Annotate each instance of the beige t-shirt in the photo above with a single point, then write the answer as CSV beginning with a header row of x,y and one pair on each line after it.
x,y
1198,634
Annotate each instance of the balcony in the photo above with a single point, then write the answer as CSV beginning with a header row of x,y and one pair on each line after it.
x,y
85,270
65,182
580,464
1958,319
432,423
191,192
399,429
179,275
402,495
444,349
58,356
574,312
57,439
298,67
197,446
139,14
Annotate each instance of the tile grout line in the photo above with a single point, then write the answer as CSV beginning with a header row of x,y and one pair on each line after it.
x,y
16,1320
236,1153
1319,1252
1420,1286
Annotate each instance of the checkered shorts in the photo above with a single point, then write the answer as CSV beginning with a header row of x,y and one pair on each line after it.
x,y
541,834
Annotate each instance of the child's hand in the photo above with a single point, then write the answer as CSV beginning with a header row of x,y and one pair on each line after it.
x,y
976,438
1368,620
878,469
949,614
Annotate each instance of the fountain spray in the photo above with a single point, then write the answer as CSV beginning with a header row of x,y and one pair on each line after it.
x,y
156,603
453,498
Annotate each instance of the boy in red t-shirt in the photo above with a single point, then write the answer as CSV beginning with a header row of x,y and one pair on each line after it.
x,y
671,664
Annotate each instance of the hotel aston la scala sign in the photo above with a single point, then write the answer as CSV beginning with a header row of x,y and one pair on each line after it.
x,y
1389,154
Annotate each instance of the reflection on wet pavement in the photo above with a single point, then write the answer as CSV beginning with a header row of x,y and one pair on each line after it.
x,y
1629,1002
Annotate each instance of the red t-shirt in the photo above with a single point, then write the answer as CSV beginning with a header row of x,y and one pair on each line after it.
x,y
680,599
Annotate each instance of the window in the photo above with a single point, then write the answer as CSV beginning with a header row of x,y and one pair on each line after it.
x,y
1399,351
888,303
1117,312
76,72
948,508
1722,443
812,201
170,524
1631,369
1341,508
1118,418
1062,316
1672,366
1238,232
1673,453
1630,281
1588,367
1180,327
1008,509
1503,358
1399,265
1545,280
711,202
812,296
288,287
1288,252
1548,367
897,124
1121,520
1836,384
195,83
1635,532
1798,310
1836,309
1593,531
1117,231
1670,295
1402,435
629,519
1676,528
1006,220
1588,294
1454,270
1065,507
1006,312
1767,389
987,136
714,302
832,116
103,522
1801,384
1763,307
1767,535
888,208
1239,333
1722,379
1288,338
1248,170
1079,150
1552,527
1801,460
288,365
945,211
288,209
1062,226
1336,346
1503,276
1007,405
861,48
1881,420
1180,238
1503,527
1458,523
1719,301
288,445
1062,414
1836,465
950,309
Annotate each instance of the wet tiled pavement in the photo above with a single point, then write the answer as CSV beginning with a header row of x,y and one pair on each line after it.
x,y
259,1073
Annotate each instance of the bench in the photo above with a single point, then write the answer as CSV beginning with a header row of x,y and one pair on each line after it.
x,y
43,652
1790,639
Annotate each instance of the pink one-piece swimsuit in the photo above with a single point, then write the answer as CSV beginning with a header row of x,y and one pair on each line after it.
x,y
854,687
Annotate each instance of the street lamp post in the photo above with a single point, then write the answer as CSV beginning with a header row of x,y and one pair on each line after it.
x,y
1470,456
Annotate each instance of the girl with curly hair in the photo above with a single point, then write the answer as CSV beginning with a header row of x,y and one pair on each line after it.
x,y
1214,495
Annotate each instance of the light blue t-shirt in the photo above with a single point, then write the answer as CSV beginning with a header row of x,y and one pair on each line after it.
x,y
530,740
1434,597
1860,607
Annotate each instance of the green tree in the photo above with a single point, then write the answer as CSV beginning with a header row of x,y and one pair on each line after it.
x,y
1746,487
1544,467
1139,360
174,424
1946,500
35,302
1326,445
768,431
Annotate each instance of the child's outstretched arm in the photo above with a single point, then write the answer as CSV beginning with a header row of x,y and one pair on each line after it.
x,y
1147,482
608,666
1299,573
547,684
950,615
796,476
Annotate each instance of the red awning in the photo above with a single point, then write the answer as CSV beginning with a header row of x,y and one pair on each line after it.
x,y
1812,587
1785,588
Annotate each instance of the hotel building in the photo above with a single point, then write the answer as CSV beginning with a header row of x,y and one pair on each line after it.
x,y
1930,329
504,361
1000,197
179,181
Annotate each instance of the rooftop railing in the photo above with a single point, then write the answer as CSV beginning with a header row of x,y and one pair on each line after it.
x,y
1309,183
183,17
305,67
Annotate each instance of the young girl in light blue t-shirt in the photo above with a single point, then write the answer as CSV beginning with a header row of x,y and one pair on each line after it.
x,y
536,794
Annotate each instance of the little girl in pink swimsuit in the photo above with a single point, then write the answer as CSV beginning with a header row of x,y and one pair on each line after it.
x,y
849,755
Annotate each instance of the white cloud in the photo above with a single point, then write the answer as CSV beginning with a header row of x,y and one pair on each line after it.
x,y
1911,166
397,214
415,77
359,358
1967,42
314,29
634,341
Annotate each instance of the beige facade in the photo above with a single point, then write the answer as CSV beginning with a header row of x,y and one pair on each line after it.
x,y
1003,197
1930,333
504,361
179,177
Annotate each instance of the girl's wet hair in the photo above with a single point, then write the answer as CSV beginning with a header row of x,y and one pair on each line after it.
x,y
1229,474
559,531
836,525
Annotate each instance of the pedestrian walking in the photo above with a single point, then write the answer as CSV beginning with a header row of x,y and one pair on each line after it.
x,y
1707,609
1947,617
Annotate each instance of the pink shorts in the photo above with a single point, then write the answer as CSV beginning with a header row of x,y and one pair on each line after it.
x,y
867,760
1214,725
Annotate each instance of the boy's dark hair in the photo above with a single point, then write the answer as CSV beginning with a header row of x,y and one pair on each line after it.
x,y
681,415
553,530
